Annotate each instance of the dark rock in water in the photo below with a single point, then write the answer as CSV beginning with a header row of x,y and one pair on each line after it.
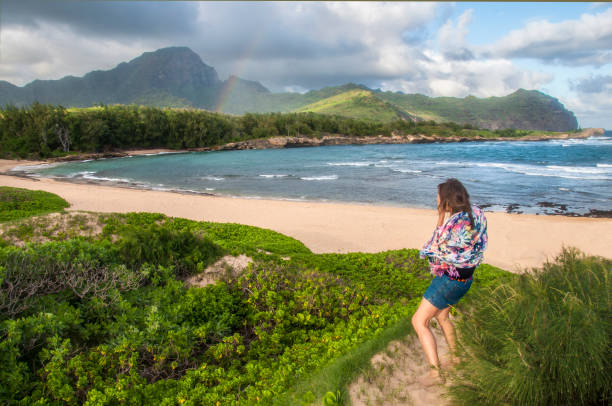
x,y
513,208
559,208
599,213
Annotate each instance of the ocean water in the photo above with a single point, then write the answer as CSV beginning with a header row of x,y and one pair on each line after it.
x,y
556,176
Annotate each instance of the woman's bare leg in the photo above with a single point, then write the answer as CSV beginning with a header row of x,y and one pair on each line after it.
x,y
420,322
449,333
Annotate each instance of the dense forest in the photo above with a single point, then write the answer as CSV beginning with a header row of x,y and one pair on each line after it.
x,y
42,131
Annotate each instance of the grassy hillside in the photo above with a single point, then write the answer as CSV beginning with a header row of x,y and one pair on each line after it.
x,y
240,102
359,104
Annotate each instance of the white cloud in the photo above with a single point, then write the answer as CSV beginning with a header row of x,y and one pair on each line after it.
x,y
585,41
54,51
592,111
452,36
374,22
598,4
456,78
453,70
448,87
295,89
351,38
591,100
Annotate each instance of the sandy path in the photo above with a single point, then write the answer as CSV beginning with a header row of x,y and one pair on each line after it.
x,y
515,240
392,381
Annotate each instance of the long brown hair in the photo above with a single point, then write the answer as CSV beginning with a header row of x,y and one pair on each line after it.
x,y
454,196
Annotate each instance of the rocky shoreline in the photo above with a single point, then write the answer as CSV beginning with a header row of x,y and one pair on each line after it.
x,y
296,142
337,139
555,209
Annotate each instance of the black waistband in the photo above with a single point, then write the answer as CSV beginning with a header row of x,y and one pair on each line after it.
x,y
464,273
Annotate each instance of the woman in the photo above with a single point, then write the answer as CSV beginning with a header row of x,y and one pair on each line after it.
x,y
454,251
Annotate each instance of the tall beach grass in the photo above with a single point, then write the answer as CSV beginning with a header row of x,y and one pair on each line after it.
x,y
541,338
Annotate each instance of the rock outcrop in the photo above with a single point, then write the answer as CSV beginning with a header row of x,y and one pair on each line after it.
x,y
296,142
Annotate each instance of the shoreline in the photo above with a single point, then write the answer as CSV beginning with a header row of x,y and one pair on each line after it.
x,y
325,140
557,209
516,241
7,168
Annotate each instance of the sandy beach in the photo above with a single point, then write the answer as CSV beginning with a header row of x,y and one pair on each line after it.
x,y
516,241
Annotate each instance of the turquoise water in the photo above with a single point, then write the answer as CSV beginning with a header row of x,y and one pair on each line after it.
x,y
531,177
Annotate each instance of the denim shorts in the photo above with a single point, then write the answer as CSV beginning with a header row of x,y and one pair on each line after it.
x,y
445,291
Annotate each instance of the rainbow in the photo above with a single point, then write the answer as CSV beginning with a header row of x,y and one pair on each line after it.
x,y
240,66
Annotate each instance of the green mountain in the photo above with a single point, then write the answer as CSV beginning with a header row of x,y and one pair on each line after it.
x,y
172,77
523,109
177,77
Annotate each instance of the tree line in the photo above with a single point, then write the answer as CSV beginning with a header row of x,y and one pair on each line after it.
x,y
43,131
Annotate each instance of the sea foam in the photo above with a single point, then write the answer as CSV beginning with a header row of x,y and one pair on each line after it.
x,y
329,177
269,176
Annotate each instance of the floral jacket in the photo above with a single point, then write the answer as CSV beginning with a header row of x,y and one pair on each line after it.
x,y
456,244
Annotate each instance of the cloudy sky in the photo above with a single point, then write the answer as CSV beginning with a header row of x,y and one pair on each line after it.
x,y
434,48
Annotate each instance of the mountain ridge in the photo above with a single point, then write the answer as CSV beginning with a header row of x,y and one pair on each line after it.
x,y
177,77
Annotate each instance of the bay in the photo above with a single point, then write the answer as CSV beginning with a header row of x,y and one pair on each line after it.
x,y
548,177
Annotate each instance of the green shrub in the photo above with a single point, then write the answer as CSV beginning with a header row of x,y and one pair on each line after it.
x,y
242,239
75,269
233,238
387,276
541,338
214,308
160,245
20,343
16,203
